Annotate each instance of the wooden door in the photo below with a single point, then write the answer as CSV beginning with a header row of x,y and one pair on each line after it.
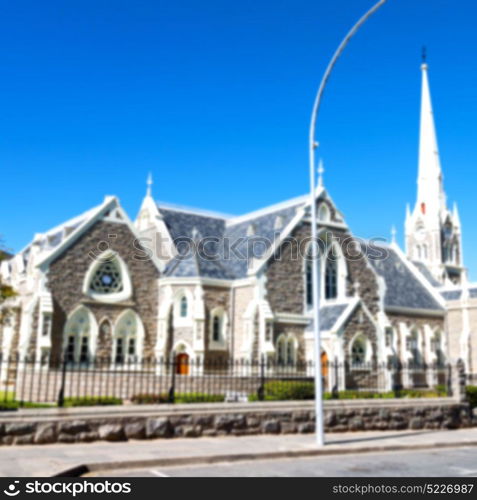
x,y
182,364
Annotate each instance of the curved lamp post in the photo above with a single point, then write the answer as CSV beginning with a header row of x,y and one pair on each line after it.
x,y
316,299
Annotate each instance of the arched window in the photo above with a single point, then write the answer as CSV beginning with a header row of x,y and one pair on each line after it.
x,y
183,307
424,252
323,213
216,329
418,252
331,277
412,345
128,337
437,348
286,348
218,322
80,336
107,279
358,351
291,351
281,350
309,283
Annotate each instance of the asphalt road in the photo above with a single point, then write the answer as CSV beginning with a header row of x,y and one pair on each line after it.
x,y
458,462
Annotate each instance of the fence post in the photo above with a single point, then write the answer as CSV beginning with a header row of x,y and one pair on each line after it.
x,y
450,389
458,381
172,389
261,388
61,394
335,389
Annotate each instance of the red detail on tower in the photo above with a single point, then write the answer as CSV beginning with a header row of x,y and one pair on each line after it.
x,y
423,208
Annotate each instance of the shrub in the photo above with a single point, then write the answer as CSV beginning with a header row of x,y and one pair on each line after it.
x,y
193,397
16,405
149,399
92,401
471,393
9,405
286,390
197,397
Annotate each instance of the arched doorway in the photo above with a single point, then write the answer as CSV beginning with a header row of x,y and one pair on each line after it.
x,y
182,364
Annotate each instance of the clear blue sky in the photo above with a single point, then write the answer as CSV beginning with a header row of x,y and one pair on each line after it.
x,y
214,98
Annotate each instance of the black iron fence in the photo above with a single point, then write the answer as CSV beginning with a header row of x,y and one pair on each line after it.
x,y
182,380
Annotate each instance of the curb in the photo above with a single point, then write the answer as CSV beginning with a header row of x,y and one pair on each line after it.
x,y
83,469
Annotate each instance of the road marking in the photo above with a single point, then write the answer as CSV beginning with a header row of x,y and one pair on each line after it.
x,y
465,472
158,473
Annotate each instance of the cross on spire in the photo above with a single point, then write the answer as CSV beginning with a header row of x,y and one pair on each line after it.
x,y
424,54
393,234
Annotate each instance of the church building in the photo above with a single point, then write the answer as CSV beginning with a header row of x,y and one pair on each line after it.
x,y
201,286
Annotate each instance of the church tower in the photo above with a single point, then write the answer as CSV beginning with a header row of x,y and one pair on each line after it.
x,y
433,233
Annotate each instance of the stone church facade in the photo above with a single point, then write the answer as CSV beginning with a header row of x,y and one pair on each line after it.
x,y
200,286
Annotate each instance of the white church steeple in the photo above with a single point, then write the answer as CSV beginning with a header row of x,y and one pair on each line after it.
x,y
430,191
432,230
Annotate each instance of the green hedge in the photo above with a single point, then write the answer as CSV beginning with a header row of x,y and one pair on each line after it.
x,y
303,390
471,392
285,390
92,401
193,397
16,405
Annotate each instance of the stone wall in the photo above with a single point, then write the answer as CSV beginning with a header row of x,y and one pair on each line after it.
x,y
232,419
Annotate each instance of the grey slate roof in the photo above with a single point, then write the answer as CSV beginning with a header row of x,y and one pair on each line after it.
x,y
403,289
330,314
424,270
229,244
452,294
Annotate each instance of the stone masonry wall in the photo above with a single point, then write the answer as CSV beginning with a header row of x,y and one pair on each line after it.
x,y
285,281
286,420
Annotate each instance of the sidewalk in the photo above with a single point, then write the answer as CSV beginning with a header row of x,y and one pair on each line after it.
x,y
49,460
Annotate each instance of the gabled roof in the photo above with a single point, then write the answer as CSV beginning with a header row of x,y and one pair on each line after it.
x,y
230,240
71,232
240,245
406,288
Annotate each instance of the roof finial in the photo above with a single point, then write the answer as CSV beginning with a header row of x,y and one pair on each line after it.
x,y
393,234
424,54
149,184
321,170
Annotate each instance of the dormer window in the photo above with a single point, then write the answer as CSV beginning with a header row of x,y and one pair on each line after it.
x,y
251,230
279,222
323,213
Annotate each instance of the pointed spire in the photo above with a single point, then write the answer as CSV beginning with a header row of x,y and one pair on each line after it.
x,y
455,215
149,185
430,190
393,234
321,171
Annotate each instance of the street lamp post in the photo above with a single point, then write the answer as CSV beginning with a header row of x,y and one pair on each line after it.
x,y
313,144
